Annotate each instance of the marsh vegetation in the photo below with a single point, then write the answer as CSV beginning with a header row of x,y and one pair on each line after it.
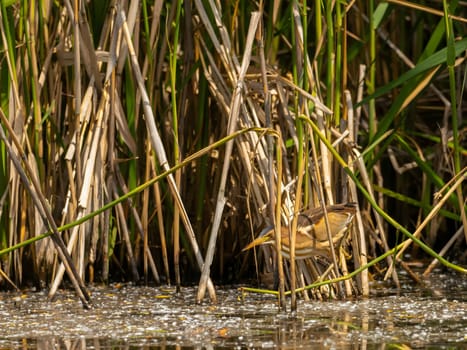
x,y
156,139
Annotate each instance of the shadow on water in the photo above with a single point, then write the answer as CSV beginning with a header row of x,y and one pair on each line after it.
x,y
155,318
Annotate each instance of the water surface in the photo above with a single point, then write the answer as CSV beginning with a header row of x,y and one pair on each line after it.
x,y
123,316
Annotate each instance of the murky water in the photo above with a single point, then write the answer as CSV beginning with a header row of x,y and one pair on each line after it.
x,y
137,317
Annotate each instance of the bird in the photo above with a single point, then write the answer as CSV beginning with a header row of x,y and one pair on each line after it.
x,y
311,236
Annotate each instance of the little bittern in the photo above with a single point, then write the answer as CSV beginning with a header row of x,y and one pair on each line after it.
x,y
311,236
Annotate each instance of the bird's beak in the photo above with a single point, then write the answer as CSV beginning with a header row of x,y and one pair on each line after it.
x,y
263,237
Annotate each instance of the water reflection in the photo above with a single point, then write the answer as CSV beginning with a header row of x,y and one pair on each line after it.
x,y
157,318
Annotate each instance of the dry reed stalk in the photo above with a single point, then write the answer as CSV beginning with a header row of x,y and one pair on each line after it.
x,y
443,251
379,224
456,183
91,149
233,119
359,243
160,221
160,152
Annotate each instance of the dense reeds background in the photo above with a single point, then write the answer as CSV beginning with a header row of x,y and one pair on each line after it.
x,y
342,101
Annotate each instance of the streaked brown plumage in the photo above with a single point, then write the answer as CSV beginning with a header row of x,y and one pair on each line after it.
x,y
311,237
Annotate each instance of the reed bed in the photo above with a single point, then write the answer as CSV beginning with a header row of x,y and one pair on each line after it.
x,y
156,139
